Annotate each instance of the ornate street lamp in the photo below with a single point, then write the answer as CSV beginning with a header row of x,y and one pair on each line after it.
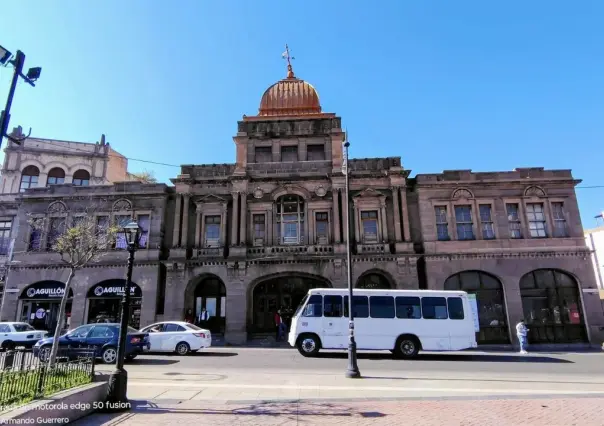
x,y
118,380
352,371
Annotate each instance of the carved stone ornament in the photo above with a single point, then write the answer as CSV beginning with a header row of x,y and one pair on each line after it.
x,y
320,191
258,193
122,205
534,191
462,193
57,207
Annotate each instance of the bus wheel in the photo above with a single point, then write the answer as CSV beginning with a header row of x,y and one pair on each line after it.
x,y
308,345
406,347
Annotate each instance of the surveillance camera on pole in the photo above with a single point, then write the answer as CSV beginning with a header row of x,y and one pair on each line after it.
x,y
17,61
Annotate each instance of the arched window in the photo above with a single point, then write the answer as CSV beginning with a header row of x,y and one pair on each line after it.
x,y
290,219
490,304
81,178
373,281
552,307
56,176
29,178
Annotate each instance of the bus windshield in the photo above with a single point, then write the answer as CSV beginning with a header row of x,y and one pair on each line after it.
x,y
301,305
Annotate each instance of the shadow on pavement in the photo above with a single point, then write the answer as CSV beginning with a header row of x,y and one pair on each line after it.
x,y
290,410
151,361
448,357
215,354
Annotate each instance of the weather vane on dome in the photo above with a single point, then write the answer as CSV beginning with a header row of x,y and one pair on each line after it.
x,y
285,55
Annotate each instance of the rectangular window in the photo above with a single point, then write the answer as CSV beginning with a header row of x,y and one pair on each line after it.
x,y
259,228
434,307
560,229
486,222
212,231
381,306
536,220
322,226
370,226
144,221
55,230
102,227
442,224
314,307
263,154
289,153
35,235
455,307
27,182
463,220
332,306
120,238
408,307
5,227
315,152
514,220
360,306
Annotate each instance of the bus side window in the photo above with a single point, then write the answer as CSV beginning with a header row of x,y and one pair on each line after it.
x,y
314,307
455,306
381,306
332,306
434,307
408,307
360,306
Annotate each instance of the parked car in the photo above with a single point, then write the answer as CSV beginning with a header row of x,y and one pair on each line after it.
x,y
14,334
99,339
177,336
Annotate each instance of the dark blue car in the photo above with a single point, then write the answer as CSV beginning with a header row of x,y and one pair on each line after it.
x,y
100,338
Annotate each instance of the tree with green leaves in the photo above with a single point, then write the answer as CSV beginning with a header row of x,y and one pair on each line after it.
x,y
145,176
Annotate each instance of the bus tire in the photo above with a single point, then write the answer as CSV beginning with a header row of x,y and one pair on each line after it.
x,y
407,346
308,345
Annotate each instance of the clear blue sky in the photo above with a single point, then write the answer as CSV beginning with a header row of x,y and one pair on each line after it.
x,y
443,84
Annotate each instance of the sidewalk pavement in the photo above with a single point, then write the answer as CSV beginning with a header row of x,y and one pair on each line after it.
x,y
500,412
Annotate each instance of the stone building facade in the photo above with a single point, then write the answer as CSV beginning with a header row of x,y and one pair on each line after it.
x,y
245,239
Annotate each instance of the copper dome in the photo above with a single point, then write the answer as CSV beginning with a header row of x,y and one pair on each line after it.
x,y
290,96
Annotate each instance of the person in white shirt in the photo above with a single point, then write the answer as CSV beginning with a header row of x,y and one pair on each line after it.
x,y
203,317
521,332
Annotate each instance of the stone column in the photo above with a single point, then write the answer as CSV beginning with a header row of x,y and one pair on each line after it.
x,y
397,215
336,216
405,214
198,229
243,219
185,222
176,234
383,221
223,227
307,223
357,223
234,221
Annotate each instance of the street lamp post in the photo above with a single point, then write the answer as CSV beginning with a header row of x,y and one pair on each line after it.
x,y
352,372
117,399
32,75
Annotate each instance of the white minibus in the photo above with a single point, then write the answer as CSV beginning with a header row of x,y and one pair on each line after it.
x,y
402,321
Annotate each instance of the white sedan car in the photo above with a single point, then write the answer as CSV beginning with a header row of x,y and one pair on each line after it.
x,y
14,334
177,336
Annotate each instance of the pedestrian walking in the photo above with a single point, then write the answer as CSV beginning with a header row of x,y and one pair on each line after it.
x,y
280,326
522,332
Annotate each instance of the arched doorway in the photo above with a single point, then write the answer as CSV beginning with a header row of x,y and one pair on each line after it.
x,y
40,304
210,294
373,281
552,307
487,291
280,292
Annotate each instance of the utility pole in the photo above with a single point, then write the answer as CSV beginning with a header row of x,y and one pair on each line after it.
x,y
32,75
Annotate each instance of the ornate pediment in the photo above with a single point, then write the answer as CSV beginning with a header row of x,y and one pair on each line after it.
x,y
534,191
462,194
57,207
291,190
368,193
122,205
211,198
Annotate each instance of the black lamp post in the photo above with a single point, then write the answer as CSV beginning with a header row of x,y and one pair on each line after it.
x,y
117,398
352,372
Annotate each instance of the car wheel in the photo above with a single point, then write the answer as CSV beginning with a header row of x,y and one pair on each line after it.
x,y
407,347
109,355
182,348
44,353
8,345
308,345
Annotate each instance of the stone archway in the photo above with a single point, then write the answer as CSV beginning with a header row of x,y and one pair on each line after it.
x,y
551,304
279,291
375,279
207,291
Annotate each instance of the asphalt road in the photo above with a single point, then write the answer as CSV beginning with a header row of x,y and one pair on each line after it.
x,y
584,366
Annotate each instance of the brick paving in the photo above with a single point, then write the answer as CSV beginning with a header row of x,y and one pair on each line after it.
x,y
499,412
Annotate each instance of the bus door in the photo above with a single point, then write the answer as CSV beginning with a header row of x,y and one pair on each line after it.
x,y
335,324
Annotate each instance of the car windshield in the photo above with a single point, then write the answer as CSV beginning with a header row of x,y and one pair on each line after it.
x,y
193,327
301,305
23,327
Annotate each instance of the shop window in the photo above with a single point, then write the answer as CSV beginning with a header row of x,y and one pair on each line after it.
x,y
442,223
29,178
536,220
259,229
434,308
369,220
56,176
514,225
322,227
463,221
315,152
289,154
5,228
81,178
212,231
144,221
